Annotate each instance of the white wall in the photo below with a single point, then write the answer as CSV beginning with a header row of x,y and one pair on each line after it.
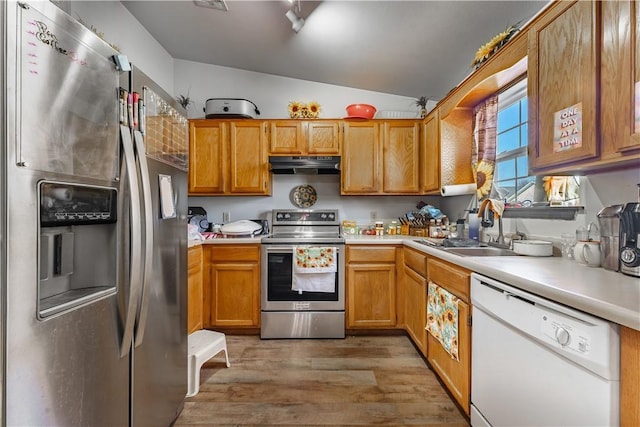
x,y
272,94
123,30
327,187
597,191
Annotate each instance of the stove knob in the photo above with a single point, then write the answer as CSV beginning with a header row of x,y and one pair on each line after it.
x,y
323,216
287,215
562,336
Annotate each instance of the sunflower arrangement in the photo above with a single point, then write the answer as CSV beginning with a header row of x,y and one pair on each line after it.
x,y
300,110
494,45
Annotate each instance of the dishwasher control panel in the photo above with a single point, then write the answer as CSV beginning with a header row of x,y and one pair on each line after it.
x,y
566,332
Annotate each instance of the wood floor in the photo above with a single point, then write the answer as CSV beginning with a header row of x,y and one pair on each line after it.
x,y
359,380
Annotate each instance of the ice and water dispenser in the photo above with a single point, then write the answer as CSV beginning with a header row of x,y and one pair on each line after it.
x,y
77,246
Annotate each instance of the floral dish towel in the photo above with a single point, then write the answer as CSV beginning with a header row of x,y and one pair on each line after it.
x,y
442,318
313,259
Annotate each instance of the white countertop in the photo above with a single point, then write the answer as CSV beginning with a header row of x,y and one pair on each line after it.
x,y
603,293
607,294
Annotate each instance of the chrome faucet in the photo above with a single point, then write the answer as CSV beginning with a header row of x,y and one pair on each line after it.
x,y
499,243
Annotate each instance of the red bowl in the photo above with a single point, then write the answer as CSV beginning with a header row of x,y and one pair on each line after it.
x,y
361,111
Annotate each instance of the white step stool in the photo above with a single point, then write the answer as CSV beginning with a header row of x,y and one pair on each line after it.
x,y
203,345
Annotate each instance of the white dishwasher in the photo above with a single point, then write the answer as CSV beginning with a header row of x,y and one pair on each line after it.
x,y
538,363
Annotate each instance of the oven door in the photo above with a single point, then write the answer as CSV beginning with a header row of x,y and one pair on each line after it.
x,y
277,277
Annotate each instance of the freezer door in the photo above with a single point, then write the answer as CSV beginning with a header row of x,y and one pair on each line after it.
x,y
64,370
160,354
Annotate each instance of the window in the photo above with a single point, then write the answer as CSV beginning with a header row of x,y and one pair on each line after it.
x,y
512,182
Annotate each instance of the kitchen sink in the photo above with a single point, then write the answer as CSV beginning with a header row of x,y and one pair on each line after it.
x,y
480,251
469,250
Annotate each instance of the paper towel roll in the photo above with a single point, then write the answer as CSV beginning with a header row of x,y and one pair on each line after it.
x,y
457,190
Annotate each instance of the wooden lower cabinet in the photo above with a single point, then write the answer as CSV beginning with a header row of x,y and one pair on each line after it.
x,y
629,377
194,289
415,297
371,286
455,374
232,294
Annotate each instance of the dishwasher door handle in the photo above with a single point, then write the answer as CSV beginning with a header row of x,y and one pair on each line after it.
x,y
510,295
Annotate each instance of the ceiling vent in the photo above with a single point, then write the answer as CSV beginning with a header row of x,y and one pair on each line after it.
x,y
212,4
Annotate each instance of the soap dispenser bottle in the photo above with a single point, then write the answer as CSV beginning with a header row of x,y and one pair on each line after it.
x,y
474,224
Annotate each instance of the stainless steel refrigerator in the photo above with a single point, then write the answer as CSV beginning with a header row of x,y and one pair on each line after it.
x,y
93,206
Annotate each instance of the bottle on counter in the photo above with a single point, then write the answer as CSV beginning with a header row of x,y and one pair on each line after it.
x,y
379,228
393,227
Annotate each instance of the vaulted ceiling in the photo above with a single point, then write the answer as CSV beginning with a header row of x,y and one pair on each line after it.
x,y
410,48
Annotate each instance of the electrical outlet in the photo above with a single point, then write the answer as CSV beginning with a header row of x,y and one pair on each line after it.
x,y
373,215
226,217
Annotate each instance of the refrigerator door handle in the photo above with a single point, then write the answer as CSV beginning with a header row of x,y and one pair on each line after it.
x,y
135,272
148,237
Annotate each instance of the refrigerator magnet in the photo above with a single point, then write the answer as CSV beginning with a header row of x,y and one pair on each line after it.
x,y
167,200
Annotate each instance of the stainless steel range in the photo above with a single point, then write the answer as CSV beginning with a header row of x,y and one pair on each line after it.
x,y
303,276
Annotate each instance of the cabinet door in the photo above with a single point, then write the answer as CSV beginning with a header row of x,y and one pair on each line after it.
x,y
415,308
323,138
455,374
371,295
248,172
401,157
235,300
430,154
207,165
360,158
194,292
620,79
286,137
562,79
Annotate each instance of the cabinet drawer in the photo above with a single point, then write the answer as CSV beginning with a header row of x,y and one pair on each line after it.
x,y
453,279
415,260
195,258
235,253
371,254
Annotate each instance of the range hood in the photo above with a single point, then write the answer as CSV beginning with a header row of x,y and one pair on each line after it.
x,y
310,165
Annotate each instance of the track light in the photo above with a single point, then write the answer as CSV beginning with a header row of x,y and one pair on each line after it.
x,y
296,22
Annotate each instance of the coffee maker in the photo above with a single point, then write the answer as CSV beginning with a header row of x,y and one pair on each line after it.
x,y
630,239
609,222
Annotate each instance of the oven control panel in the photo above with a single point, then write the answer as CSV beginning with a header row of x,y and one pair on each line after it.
x,y
291,216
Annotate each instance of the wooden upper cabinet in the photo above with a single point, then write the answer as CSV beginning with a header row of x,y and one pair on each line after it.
x,y
620,80
401,157
562,79
228,158
308,137
430,154
381,157
248,163
360,157
207,167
